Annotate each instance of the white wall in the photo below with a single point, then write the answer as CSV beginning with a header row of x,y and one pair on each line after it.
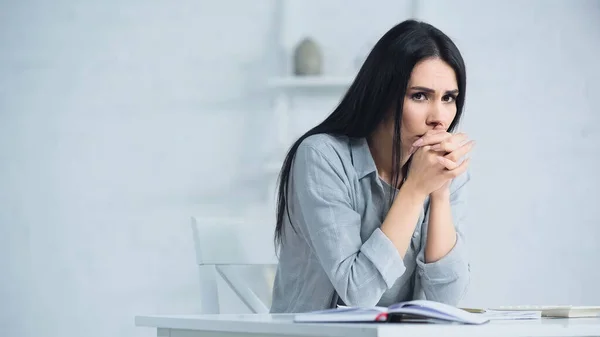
x,y
119,119
533,77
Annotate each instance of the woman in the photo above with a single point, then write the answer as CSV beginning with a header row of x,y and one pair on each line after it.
x,y
371,202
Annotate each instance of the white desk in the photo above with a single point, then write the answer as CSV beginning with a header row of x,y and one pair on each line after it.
x,y
282,325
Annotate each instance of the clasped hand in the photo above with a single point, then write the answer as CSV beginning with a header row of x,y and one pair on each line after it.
x,y
437,159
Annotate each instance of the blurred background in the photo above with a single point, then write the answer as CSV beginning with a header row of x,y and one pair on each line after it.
x,y
121,119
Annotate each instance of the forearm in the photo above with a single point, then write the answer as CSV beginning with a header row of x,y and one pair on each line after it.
x,y
443,258
441,234
402,217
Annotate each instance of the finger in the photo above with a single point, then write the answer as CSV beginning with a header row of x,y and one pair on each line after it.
x,y
447,163
432,132
460,152
432,138
412,150
450,144
436,130
460,169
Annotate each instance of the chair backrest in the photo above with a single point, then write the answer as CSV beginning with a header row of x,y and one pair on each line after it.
x,y
221,243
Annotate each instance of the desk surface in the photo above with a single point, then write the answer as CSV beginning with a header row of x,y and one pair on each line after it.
x,y
278,325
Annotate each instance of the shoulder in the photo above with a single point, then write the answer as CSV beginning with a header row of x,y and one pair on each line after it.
x,y
334,150
323,158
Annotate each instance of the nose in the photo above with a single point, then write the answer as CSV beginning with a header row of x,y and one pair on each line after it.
x,y
436,117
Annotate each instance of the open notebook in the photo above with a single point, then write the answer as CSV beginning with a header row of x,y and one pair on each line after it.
x,y
404,311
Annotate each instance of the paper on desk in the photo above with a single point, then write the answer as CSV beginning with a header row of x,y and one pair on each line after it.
x,y
511,315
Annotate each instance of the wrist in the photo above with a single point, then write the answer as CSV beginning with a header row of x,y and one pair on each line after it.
x,y
442,194
411,189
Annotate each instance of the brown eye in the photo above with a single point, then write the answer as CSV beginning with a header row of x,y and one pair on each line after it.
x,y
418,96
449,98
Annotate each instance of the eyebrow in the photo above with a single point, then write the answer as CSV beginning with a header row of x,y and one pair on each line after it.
x,y
429,90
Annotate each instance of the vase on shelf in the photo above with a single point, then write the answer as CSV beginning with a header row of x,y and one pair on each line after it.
x,y
308,58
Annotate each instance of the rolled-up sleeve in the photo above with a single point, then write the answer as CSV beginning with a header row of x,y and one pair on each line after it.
x,y
447,279
321,207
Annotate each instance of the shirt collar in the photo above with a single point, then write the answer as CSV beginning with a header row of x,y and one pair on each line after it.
x,y
362,158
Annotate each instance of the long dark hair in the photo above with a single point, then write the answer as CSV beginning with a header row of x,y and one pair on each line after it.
x,y
379,85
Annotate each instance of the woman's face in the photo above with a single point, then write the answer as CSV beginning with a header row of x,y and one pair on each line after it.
x,y
430,100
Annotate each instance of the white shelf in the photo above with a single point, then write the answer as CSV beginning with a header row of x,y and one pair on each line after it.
x,y
311,82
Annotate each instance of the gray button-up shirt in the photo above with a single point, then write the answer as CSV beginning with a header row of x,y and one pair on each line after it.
x,y
338,254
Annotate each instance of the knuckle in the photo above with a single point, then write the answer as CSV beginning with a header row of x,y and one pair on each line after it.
x,y
460,138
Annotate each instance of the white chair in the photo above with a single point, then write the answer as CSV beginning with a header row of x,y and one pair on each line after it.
x,y
222,243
